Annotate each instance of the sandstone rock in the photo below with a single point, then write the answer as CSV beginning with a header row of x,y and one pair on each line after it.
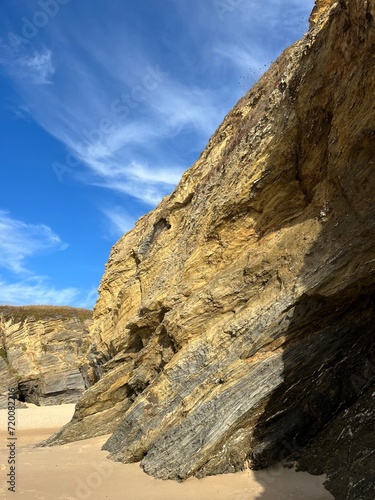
x,y
232,318
320,9
43,351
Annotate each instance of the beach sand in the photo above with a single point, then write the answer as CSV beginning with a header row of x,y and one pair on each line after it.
x,y
80,471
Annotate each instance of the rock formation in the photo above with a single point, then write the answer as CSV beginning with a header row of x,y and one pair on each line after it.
x,y
235,319
344,450
43,352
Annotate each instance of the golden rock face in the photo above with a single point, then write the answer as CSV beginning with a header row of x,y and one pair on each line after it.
x,y
231,318
320,10
43,353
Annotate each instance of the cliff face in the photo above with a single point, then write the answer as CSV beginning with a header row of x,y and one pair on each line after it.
x,y
43,353
233,319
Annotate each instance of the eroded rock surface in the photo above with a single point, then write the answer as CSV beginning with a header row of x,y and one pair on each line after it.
x,y
345,449
43,353
232,318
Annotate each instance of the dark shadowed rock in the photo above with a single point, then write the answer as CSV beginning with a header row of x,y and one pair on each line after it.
x,y
345,449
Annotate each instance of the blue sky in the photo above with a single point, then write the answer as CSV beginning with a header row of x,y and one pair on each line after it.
x,y
104,105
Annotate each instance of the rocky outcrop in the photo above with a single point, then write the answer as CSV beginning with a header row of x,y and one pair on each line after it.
x,y
43,353
344,450
232,319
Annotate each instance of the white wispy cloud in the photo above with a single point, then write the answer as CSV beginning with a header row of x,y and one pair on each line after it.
x,y
113,154
150,194
21,112
27,64
238,57
36,67
180,106
38,290
117,131
120,222
20,240
86,299
117,154
35,290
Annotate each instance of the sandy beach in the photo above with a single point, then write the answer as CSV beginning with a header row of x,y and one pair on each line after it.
x,y
80,471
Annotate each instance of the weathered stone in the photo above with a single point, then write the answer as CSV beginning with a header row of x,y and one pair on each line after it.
x,y
344,450
43,351
232,318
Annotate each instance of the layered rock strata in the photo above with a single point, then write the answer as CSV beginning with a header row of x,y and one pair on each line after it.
x,y
232,319
43,353
344,450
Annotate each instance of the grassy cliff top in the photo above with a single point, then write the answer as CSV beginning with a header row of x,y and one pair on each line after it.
x,y
19,313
